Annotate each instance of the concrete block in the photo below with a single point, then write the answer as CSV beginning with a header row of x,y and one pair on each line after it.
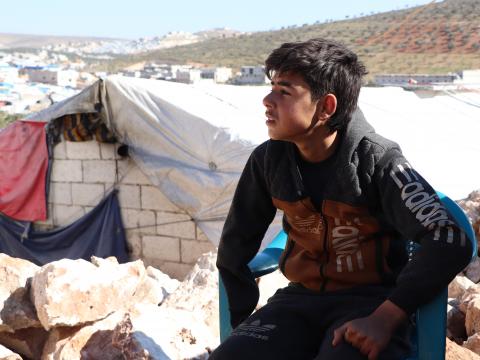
x,y
87,194
108,151
161,247
67,171
173,269
129,196
130,173
60,193
141,220
99,171
177,225
152,198
60,151
83,150
65,215
192,250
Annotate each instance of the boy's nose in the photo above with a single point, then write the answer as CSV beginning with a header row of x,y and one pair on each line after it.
x,y
267,100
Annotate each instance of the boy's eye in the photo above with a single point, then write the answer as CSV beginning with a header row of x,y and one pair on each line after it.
x,y
283,92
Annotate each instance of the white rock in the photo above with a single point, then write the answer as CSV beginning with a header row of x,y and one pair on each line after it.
x,y
472,271
198,293
472,316
169,333
7,354
16,310
457,286
70,292
473,343
456,352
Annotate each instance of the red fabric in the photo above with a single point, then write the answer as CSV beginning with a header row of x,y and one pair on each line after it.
x,y
23,170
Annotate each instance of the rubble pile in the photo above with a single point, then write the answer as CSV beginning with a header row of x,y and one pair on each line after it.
x,y
75,309
463,310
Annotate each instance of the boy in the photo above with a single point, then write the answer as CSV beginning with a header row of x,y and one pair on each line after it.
x,y
349,200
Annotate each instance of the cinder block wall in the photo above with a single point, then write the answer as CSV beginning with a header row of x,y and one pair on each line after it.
x,y
158,232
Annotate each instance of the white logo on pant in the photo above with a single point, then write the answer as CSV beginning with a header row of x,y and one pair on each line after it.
x,y
254,329
425,205
345,242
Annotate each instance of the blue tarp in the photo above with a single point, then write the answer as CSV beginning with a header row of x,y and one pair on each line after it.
x,y
100,232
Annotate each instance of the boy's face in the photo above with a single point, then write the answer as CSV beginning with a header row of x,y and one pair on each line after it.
x,y
290,110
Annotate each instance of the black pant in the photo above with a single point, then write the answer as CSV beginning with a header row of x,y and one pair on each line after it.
x,y
298,324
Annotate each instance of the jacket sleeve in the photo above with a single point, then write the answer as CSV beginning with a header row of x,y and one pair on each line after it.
x,y
251,212
412,207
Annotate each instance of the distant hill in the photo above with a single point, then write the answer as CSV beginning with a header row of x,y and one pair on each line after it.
x,y
91,46
434,38
22,41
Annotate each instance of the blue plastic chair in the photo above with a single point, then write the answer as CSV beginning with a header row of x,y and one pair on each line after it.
x,y
429,341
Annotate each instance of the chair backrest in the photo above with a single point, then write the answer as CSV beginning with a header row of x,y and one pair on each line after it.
x,y
431,318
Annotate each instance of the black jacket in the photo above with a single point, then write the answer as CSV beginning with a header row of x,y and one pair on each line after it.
x,y
373,201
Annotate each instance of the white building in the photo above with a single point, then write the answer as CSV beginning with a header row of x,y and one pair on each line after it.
x,y
414,79
188,76
52,76
252,75
219,75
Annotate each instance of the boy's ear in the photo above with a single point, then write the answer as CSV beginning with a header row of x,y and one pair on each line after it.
x,y
327,106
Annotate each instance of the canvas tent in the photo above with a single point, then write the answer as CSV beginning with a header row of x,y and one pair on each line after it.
x,y
192,145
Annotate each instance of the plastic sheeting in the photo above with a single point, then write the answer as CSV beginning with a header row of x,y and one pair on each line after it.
x,y
23,171
100,232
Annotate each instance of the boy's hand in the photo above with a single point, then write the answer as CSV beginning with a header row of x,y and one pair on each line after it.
x,y
371,334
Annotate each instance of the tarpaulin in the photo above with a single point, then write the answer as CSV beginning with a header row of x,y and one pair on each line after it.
x,y
99,232
23,170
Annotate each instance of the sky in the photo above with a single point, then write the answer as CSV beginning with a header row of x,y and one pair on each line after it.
x,y
147,18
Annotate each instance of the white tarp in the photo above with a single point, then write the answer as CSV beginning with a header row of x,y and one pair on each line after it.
x,y
193,140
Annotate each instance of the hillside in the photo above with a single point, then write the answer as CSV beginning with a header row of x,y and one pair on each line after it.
x,y
22,41
434,38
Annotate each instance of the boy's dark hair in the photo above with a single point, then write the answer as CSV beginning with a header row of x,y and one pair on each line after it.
x,y
327,67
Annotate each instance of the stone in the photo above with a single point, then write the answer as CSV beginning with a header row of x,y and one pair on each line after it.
x,y
198,293
457,352
456,325
143,332
129,347
17,311
457,286
92,341
7,354
470,293
473,344
71,292
28,342
171,333
472,316
472,271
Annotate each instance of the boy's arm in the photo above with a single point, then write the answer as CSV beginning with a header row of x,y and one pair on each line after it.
x,y
250,215
411,205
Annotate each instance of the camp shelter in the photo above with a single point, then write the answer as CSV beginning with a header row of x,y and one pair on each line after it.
x,y
186,150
